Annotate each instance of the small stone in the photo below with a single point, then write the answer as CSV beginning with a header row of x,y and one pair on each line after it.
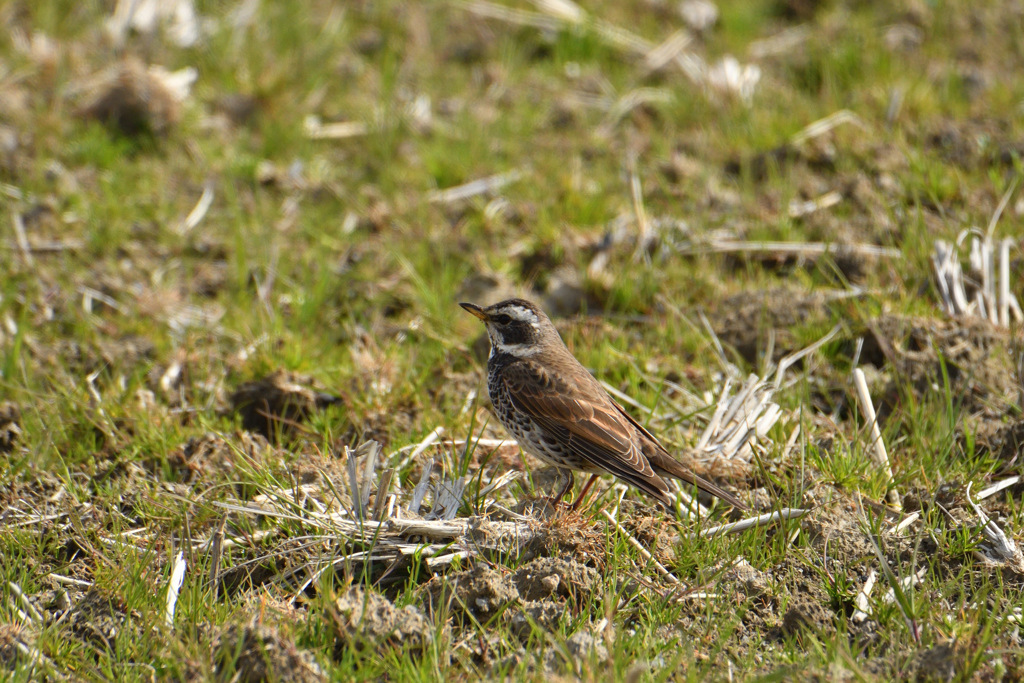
x,y
750,580
583,644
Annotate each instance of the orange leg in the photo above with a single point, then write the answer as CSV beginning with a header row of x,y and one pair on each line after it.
x,y
583,493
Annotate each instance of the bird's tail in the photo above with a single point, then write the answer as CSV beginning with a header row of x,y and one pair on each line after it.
x,y
666,464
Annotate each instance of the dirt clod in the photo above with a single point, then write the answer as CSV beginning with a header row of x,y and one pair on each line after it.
x,y
805,613
542,613
11,640
131,99
552,577
277,401
98,619
939,663
567,294
839,529
651,529
745,321
256,653
1012,443
925,353
366,618
212,457
480,591
583,542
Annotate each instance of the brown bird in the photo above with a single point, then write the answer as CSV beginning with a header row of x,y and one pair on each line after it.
x,y
559,413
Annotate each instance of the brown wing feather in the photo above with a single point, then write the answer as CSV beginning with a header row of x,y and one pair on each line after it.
x,y
663,463
593,431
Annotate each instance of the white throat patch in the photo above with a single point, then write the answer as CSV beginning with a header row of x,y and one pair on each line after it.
x,y
517,350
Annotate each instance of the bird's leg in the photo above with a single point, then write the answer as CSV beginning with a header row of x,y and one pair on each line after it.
x,y
570,480
583,493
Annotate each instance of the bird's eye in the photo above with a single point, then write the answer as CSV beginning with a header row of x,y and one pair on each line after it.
x,y
502,319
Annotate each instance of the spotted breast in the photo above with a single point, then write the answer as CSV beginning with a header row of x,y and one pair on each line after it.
x,y
527,433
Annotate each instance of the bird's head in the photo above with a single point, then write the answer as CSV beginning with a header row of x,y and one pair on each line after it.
x,y
515,326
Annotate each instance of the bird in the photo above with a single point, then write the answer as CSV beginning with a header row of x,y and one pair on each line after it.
x,y
558,412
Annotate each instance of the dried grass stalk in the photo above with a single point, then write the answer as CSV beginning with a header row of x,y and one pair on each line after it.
x,y
877,444
174,587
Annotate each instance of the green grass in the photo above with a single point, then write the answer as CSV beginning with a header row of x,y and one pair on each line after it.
x,y
365,275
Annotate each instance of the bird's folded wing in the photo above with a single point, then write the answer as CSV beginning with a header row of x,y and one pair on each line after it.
x,y
590,427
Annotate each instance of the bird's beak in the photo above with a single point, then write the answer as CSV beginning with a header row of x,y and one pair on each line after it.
x,y
475,310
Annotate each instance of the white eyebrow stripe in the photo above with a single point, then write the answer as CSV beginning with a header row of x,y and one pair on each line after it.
x,y
519,313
